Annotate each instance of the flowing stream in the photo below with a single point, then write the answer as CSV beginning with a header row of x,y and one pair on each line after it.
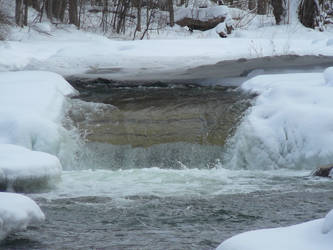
x,y
152,174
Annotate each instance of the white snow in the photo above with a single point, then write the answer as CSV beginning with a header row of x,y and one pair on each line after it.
x,y
305,236
17,212
19,164
202,14
71,51
328,223
31,108
290,124
328,75
31,112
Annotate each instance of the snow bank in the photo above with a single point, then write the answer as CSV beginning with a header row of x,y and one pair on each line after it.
x,y
31,109
31,112
290,124
305,236
74,52
26,170
17,212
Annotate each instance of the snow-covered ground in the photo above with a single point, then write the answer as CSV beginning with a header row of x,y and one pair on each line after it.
x,y
69,51
17,212
316,234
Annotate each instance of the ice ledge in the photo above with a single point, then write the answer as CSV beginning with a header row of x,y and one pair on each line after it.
x,y
23,170
17,212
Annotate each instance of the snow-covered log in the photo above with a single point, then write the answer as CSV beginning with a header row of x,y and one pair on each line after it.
x,y
201,18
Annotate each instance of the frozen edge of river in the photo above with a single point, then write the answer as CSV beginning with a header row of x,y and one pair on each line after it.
x,y
31,108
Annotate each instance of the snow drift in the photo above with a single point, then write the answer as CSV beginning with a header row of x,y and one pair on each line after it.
x,y
290,124
17,212
32,107
305,236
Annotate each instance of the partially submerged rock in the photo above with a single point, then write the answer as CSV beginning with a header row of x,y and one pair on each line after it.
x,y
324,171
17,212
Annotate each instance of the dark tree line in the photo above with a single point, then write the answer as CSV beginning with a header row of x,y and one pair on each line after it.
x,y
116,14
53,9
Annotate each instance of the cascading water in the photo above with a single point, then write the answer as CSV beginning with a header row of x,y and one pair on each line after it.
x,y
165,167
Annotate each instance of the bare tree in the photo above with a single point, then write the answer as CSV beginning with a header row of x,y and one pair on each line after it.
x,y
19,19
171,13
279,10
73,13
251,4
138,16
309,14
262,7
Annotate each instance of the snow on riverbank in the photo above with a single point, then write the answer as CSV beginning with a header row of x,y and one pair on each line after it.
x,y
305,236
25,170
17,212
290,124
71,51
31,110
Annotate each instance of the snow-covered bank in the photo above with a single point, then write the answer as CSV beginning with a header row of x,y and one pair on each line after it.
x,y
17,212
290,124
31,112
310,235
25,170
75,52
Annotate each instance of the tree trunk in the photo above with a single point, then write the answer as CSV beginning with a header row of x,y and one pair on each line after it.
x,y
73,18
279,10
309,13
19,13
171,13
138,21
262,7
105,16
35,4
49,9
62,9
252,4
25,16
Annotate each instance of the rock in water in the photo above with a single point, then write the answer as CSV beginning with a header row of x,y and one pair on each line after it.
x,y
324,171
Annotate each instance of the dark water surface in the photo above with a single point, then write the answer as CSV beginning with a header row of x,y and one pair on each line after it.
x,y
149,222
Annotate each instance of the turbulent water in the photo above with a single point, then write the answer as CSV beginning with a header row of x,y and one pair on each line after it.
x,y
150,174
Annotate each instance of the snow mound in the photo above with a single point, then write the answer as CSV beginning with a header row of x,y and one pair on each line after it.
x,y
17,212
32,105
289,126
305,236
31,109
328,223
328,75
25,170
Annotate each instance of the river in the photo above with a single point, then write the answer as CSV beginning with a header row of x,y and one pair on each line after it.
x,y
151,172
